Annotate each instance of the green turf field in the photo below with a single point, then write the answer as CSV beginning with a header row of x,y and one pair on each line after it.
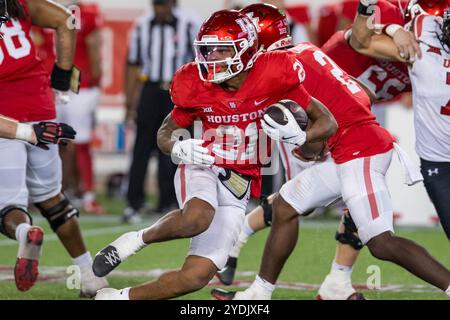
x,y
301,276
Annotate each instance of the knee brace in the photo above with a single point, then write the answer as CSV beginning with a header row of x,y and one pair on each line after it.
x,y
350,235
267,209
4,212
59,213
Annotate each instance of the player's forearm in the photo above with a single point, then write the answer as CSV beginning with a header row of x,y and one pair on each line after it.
x,y
65,46
48,14
324,124
165,137
12,129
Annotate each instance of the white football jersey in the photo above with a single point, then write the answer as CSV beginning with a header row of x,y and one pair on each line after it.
x,y
430,77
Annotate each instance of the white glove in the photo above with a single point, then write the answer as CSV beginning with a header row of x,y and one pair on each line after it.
x,y
288,133
190,151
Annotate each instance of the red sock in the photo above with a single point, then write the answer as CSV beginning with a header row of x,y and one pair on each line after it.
x,y
84,163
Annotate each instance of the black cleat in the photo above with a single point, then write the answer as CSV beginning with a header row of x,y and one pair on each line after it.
x,y
226,275
221,294
106,261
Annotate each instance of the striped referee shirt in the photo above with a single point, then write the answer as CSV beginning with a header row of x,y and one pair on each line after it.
x,y
160,49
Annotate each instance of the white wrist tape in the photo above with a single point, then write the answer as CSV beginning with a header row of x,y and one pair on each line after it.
x,y
24,132
391,29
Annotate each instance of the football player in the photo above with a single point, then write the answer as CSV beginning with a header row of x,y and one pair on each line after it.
x,y
430,78
384,81
29,173
362,155
270,22
228,88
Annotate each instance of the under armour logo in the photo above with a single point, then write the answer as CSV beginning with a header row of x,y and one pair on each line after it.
x,y
432,172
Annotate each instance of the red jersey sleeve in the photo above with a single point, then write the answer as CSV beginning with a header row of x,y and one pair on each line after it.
x,y
181,92
183,117
295,75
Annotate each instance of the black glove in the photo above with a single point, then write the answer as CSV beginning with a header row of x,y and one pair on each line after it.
x,y
53,133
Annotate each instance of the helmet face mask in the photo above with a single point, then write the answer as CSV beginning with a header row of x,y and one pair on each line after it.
x,y
219,60
226,45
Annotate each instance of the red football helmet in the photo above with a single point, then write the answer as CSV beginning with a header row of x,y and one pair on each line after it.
x,y
226,45
431,7
271,24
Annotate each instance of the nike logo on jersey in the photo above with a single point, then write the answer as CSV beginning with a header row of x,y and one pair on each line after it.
x,y
257,103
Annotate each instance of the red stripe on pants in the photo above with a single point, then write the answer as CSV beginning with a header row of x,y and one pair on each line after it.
x,y
369,188
183,182
286,160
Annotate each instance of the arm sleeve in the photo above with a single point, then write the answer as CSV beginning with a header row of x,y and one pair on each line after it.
x,y
184,117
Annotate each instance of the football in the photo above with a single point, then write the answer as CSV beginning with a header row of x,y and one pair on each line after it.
x,y
308,151
276,113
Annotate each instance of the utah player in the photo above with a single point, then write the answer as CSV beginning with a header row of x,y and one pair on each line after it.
x,y
28,173
362,151
430,77
228,89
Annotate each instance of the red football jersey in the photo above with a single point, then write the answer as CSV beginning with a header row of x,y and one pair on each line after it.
x,y
25,92
91,21
231,119
359,134
387,79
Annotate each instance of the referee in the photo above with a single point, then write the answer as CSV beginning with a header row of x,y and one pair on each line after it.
x,y
160,43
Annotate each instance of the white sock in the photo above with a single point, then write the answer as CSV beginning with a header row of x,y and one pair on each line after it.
x,y
339,267
448,291
262,285
242,240
21,230
84,260
140,238
246,229
125,293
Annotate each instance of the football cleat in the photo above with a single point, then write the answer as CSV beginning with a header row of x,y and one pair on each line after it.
x,y
337,286
26,270
226,275
90,283
119,250
221,294
106,261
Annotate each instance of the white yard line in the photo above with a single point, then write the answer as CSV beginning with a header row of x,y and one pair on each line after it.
x,y
59,275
